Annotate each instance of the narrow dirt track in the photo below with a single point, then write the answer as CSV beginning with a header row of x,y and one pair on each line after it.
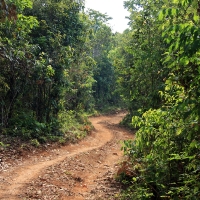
x,y
79,172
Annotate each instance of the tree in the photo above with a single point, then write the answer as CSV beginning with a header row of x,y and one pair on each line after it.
x,y
45,70
166,150
16,56
62,36
137,57
104,73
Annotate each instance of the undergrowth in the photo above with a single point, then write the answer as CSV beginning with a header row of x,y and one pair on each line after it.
x,y
70,126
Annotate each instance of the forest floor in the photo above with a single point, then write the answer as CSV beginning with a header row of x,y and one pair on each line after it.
x,y
83,171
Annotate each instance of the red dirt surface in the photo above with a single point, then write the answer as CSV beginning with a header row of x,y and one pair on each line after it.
x,y
82,171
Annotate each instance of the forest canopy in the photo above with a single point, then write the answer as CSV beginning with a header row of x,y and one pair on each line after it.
x,y
52,61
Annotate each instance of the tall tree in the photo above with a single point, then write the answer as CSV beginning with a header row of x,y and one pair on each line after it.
x,y
44,64
165,154
104,74
139,50
16,56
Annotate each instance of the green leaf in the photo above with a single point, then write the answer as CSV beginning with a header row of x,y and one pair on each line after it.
x,y
134,179
196,18
194,144
161,15
179,131
184,61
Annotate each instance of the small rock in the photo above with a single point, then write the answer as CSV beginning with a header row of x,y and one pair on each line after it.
x,y
39,192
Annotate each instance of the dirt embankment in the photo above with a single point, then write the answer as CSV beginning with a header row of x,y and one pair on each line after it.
x,y
83,171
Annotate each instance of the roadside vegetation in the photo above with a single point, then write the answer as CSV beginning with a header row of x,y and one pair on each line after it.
x,y
157,62
55,69
59,64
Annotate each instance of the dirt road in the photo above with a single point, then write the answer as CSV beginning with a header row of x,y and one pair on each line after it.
x,y
83,171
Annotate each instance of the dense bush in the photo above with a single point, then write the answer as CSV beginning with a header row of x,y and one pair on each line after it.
x,y
165,152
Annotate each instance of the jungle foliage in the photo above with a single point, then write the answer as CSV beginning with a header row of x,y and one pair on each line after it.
x,y
157,61
58,61
102,42
48,70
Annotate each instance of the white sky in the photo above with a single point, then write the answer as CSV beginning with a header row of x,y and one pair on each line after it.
x,y
114,9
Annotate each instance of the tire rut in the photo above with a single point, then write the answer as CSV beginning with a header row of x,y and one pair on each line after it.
x,y
86,160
